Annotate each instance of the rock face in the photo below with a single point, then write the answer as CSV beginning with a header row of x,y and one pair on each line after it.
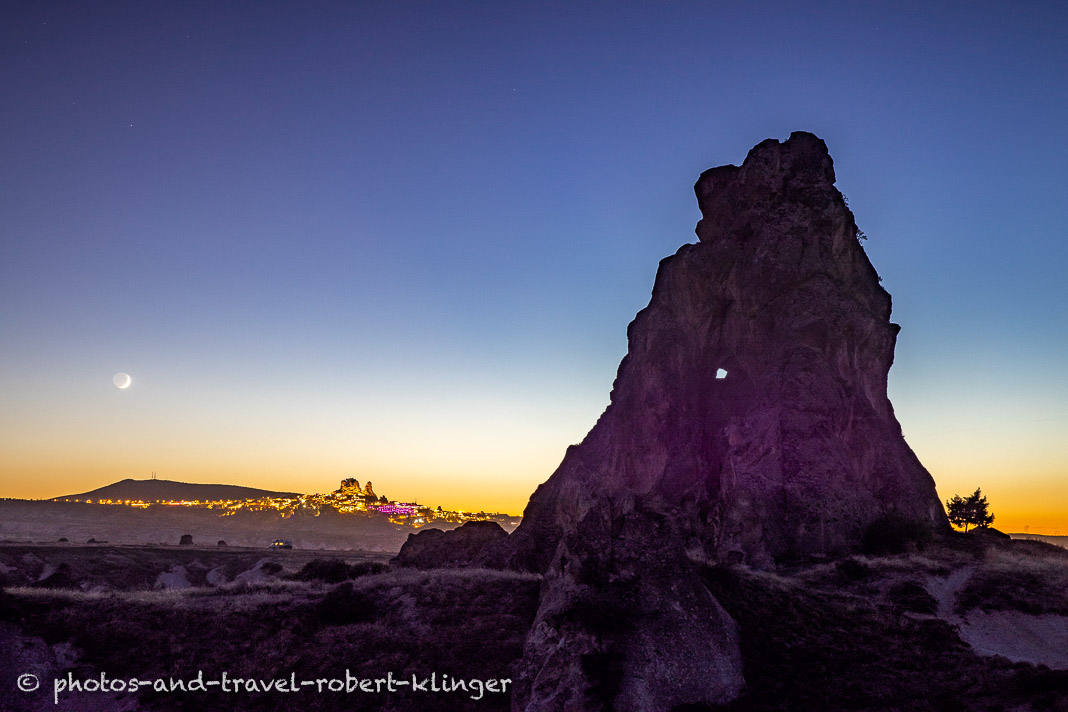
x,y
434,548
350,486
749,422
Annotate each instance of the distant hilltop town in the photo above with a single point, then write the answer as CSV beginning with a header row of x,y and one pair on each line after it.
x,y
349,499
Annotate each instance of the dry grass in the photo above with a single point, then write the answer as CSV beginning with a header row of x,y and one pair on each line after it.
x,y
830,637
127,568
468,623
1023,580
815,648
32,593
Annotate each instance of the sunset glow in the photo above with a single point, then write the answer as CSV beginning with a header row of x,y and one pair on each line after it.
x,y
279,246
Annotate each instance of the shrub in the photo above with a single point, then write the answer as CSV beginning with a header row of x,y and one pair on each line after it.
x,y
326,570
912,597
271,567
366,568
60,578
336,570
8,609
853,570
345,605
895,534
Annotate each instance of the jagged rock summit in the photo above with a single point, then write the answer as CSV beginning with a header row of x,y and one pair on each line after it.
x,y
435,549
749,422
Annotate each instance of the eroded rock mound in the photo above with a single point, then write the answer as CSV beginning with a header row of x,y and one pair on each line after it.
x,y
434,548
749,422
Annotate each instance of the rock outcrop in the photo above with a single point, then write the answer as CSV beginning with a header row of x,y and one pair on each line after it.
x,y
749,422
350,487
434,548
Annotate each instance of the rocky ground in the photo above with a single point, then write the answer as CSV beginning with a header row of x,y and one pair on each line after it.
x,y
163,613
100,568
970,623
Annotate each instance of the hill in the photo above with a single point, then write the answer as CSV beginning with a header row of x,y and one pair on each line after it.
x,y
1056,539
170,491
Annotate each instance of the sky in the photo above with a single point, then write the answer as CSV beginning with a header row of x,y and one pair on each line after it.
x,y
402,241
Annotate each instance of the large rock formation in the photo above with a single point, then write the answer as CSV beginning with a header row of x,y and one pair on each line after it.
x,y
749,422
436,549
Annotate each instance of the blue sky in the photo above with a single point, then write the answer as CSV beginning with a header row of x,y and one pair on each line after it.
x,y
402,241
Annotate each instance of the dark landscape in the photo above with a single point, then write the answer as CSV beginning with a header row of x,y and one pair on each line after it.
x,y
744,528
971,622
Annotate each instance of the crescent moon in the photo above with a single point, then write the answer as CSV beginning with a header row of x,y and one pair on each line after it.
x,y
122,380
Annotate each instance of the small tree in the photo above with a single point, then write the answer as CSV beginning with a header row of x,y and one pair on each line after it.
x,y
969,511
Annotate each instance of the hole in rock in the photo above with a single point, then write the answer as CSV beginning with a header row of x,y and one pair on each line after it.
x,y
721,373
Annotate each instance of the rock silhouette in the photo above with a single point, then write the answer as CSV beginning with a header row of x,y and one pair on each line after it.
x,y
748,422
434,548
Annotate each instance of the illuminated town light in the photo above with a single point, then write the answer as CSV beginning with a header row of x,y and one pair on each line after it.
x,y
347,502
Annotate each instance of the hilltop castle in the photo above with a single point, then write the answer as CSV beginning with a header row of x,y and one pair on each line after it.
x,y
351,487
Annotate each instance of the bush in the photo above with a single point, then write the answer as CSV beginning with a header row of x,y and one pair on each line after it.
x,y
345,605
271,568
853,570
326,570
336,570
912,597
366,568
895,534
60,578
8,609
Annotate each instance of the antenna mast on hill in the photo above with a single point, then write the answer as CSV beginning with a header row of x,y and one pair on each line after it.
x,y
153,474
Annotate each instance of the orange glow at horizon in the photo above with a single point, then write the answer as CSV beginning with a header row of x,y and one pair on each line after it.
x,y
468,449
1032,499
1037,504
489,494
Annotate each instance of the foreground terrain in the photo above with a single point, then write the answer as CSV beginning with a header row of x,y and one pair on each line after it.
x,y
969,623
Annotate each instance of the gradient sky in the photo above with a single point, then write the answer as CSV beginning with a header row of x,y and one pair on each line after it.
x,y
401,241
